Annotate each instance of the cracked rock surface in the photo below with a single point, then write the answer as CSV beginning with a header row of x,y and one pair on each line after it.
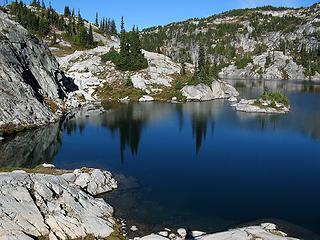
x,y
32,84
59,207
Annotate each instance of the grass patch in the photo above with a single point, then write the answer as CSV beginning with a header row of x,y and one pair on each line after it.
x,y
52,105
40,169
116,234
117,91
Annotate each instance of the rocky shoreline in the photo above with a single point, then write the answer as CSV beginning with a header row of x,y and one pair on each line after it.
x,y
59,204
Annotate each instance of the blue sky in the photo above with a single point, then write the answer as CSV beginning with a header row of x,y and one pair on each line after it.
x,y
147,13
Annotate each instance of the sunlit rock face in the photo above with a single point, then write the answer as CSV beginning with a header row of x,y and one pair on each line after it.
x,y
201,92
57,207
31,83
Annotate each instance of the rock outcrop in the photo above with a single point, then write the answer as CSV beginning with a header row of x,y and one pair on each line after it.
x,y
58,207
90,72
265,231
32,85
201,92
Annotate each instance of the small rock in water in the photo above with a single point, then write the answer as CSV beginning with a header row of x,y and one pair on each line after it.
x,y
233,99
146,98
174,99
197,233
1,138
46,165
163,233
182,232
19,171
134,228
168,229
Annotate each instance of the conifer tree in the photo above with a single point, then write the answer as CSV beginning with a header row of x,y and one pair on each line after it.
x,y
122,25
97,20
90,41
124,50
108,27
183,67
54,39
66,11
203,69
113,27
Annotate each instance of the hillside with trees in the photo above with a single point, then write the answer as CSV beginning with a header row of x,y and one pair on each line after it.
x,y
130,57
49,25
251,43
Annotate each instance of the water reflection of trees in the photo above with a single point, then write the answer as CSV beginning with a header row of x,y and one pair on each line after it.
x,y
203,115
129,127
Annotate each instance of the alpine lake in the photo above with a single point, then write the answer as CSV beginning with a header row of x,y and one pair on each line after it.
x,y
201,166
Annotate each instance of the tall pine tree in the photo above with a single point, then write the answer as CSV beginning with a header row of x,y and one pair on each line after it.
x,y
97,20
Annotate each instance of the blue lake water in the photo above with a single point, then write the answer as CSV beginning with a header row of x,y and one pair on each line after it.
x,y
197,165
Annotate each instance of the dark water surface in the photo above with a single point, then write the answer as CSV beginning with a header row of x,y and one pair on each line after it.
x,y
197,165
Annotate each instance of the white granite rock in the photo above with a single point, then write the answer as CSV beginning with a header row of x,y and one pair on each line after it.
x,y
201,92
163,233
46,205
134,228
93,181
197,233
232,99
217,90
182,232
46,165
146,98
266,231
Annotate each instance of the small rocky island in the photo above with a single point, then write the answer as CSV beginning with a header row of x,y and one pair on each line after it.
x,y
272,103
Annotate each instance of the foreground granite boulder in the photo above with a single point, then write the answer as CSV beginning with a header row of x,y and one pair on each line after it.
x,y
57,207
31,83
201,92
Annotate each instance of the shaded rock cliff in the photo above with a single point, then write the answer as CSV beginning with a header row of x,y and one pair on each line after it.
x,y
31,83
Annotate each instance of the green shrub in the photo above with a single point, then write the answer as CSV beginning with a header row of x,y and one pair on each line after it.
x,y
242,62
275,97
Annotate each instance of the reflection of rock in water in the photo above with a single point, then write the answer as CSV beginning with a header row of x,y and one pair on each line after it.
x,y
31,148
246,87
